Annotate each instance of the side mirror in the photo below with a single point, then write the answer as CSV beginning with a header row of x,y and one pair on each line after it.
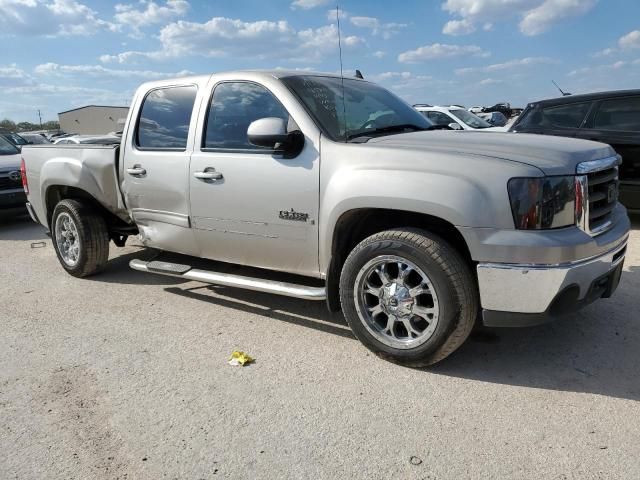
x,y
455,126
267,132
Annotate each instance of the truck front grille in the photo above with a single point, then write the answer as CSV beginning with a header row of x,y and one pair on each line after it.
x,y
598,188
603,195
7,183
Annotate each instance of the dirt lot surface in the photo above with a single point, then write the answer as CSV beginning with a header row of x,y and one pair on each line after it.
x,y
125,375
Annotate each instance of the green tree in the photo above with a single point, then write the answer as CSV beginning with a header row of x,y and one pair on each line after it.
x,y
7,124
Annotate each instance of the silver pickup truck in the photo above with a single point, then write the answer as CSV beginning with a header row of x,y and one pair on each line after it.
x,y
411,232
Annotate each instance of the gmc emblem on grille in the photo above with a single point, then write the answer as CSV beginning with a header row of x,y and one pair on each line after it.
x,y
612,193
15,176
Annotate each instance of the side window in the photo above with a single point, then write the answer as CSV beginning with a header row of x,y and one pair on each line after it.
x,y
566,116
165,118
233,107
619,114
439,118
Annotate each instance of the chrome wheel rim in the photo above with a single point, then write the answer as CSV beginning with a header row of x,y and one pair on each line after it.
x,y
67,239
396,302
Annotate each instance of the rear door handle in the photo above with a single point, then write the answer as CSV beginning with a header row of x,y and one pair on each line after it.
x,y
136,171
208,174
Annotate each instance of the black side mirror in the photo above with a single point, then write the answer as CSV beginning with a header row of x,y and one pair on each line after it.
x,y
271,132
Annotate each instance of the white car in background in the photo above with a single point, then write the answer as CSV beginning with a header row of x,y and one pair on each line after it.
x,y
456,118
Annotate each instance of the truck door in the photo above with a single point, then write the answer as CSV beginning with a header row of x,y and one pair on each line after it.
x,y
250,205
616,121
156,167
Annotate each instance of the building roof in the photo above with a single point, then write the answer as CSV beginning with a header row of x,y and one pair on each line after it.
x,y
92,106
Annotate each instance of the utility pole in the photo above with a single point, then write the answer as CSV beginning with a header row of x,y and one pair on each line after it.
x,y
40,117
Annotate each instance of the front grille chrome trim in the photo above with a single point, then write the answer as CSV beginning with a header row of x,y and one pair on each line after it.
x,y
593,166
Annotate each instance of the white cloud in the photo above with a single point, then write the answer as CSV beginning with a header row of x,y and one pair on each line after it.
x,y
49,18
541,18
385,30
12,75
331,14
536,16
630,40
401,82
379,54
11,71
309,4
601,68
100,72
440,50
458,27
224,37
135,19
515,63
604,53
490,81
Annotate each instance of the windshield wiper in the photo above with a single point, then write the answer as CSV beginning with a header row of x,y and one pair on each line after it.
x,y
390,129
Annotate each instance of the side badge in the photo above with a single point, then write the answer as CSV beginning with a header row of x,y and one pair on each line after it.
x,y
293,215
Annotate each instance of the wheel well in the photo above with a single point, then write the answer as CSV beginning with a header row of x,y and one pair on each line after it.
x,y
56,193
356,225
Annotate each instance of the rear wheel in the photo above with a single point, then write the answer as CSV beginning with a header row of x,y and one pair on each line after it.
x,y
408,296
80,238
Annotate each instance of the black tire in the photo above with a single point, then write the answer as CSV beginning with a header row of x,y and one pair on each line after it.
x,y
450,275
93,238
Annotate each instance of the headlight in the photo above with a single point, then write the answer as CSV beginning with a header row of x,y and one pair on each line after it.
x,y
544,202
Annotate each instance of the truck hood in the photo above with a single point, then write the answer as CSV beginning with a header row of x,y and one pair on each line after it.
x,y
10,162
552,155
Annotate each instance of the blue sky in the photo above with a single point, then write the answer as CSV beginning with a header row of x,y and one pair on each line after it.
x,y
60,54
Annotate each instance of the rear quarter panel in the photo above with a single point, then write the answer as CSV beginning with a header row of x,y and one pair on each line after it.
x,y
89,168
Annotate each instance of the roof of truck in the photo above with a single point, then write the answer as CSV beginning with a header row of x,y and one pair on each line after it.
x,y
276,73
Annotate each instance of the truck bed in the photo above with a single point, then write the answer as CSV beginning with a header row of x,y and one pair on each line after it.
x,y
91,168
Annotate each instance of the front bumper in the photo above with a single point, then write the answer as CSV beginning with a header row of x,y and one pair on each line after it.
x,y
524,295
12,199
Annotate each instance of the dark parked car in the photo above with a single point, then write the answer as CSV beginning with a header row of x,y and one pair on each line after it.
x,y
12,196
35,138
14,138
608,117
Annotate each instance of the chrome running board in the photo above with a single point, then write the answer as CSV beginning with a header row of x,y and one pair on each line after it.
x,y
228,280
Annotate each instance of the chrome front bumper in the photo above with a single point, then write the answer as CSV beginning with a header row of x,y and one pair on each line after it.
x,y
532,289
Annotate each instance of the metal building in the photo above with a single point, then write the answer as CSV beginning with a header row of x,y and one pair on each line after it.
x,y
93,120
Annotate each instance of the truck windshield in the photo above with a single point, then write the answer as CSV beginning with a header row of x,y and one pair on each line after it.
x,y
7,148
368,110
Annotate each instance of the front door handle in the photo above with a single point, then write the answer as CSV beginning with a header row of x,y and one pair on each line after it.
x,y
136,171
208,174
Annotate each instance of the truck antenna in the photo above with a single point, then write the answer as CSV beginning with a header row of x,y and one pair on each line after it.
x,y
344,104
564,94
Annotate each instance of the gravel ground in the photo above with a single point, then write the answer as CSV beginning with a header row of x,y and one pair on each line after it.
x,y
124,375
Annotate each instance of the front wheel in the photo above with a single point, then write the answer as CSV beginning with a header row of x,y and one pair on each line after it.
x,y
408,296
80,238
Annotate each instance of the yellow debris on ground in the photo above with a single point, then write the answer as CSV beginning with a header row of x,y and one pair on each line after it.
x,y
239,359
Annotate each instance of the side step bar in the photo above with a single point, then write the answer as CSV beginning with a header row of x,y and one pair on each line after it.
x,y
228,280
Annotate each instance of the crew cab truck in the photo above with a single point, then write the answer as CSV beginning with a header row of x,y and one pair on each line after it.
x,y
411,232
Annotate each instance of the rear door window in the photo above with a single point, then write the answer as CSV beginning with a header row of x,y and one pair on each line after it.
x,y
562,116
165,117
233,107
621,114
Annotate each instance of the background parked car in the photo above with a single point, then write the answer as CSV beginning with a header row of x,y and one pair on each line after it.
x,y
13,138
35,138
12,196
608,117
497,119
88,140
453,117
